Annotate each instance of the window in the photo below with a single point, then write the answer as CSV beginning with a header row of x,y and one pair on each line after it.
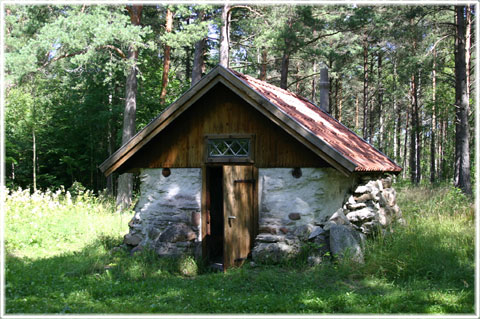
x,y
229,148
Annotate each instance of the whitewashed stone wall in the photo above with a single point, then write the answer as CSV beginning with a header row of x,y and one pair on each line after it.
x,y
164,215
291,208
287,202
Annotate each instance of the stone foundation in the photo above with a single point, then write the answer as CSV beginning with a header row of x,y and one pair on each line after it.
x,y
296,206
369,207
167,216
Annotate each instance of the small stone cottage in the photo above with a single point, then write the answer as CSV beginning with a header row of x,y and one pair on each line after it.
x,y
237,167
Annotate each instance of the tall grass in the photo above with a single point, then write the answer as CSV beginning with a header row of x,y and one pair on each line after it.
x,y
60,260
50,223
437,244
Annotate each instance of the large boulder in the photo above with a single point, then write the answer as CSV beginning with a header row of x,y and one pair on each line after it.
x,y
273,252
339,218
362,215
176,233
346,242
164,249
132,239
303,231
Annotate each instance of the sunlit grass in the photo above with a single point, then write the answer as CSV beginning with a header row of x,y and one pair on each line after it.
x,y
59,260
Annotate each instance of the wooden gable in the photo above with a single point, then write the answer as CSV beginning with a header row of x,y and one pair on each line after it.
x,y
302,121
221,112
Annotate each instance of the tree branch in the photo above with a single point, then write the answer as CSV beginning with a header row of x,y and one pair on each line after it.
x,y
69,55
303,78
114,48
66,55
248,8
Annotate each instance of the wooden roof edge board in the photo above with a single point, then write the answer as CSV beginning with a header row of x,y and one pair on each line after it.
x,y
291,131
140,135
294,124
161,125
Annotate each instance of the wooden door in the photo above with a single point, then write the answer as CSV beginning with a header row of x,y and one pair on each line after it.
x,y
238,199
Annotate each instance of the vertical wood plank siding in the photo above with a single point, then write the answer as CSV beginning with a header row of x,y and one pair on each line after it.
x,y
221,111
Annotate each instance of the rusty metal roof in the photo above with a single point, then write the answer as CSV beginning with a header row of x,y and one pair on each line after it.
x,y
366,157
319,131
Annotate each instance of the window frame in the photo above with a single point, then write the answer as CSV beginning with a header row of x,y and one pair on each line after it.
x,y
230,159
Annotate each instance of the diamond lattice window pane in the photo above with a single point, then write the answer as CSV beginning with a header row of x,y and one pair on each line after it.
x,y
233,147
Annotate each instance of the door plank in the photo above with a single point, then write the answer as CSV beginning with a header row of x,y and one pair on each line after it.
x,y
238,214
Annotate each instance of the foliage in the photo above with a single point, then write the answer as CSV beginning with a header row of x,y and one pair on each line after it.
x,y
60,258
65,76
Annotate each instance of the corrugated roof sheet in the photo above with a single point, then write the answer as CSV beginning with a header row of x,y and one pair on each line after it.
x,y
324,126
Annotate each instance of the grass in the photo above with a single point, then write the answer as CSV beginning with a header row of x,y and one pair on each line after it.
x,y
59,260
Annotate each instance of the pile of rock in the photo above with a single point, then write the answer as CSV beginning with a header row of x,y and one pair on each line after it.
x,y
370,209
373,207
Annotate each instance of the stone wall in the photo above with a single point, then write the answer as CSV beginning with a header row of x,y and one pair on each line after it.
x,y
356,209
296,206
167,215
292,203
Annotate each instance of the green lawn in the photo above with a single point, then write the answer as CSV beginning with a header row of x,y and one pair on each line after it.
x,y
59,260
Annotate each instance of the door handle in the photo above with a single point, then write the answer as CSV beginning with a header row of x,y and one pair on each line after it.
x,y
230,218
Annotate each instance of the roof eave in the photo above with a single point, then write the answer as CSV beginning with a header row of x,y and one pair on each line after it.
x,y
110,164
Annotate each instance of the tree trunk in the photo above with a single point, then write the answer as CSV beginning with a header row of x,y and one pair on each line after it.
x,y
396,112
34,147
110,138
125,181
405,149
356,112
198,61
324,90
340,99
443,135
468,43
418,130
224,36
263,67
371,107
413,131
314,83
365,86
462,129
335,111
284,71
297,79
380,104
166,57
433,131
188,64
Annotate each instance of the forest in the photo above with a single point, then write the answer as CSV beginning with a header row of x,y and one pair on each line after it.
x,y
82,79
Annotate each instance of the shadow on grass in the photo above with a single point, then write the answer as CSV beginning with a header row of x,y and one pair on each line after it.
x,y
97,281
